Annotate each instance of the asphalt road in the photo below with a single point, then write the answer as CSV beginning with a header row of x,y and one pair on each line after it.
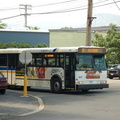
x,y
94,105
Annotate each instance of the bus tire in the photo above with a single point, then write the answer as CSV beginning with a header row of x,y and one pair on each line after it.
x,y
85,90
3,91
56,85
110,77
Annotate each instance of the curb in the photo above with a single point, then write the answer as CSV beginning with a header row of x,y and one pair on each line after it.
x,y
40,104
40,107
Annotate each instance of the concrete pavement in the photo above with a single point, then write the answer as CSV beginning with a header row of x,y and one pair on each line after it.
x,y
15,104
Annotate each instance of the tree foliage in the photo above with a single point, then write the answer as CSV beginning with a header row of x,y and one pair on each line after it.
x,y
111,42
34,28
40,45
66,28
2,25
20,45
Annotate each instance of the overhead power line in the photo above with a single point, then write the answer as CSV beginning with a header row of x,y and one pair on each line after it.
x,y
72,9
116,4
106,4
5,9
10,17
55,3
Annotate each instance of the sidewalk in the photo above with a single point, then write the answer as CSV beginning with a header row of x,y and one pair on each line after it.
x,y
15,104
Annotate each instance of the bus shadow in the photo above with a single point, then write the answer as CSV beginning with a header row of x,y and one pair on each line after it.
x,y
89,93
30,89
71,92
67,92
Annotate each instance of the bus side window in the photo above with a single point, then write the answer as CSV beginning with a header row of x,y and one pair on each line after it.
x,y
3,61
32,62
38,61
61,62
51,61
44,62
59,59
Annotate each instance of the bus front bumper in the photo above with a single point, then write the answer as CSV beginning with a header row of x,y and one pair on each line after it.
x,y
91,86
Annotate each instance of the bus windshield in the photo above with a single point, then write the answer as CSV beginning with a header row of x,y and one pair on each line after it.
x,y
90,62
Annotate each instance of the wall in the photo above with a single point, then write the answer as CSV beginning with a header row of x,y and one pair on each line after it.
x,y
66,38
28,36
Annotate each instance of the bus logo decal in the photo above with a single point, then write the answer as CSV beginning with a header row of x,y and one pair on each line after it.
x,y
41,72
93,75
55,50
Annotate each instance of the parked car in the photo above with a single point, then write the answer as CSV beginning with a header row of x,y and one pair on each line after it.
x,y
3,84
114,71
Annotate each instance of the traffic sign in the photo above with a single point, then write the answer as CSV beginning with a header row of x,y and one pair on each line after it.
x,y
25,57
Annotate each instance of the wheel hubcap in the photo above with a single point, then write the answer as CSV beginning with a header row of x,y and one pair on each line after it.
x,y
56,86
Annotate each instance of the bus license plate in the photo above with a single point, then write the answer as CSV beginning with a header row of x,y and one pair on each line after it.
x,y
90,82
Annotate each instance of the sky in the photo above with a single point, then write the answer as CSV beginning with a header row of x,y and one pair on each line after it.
x,y
53,14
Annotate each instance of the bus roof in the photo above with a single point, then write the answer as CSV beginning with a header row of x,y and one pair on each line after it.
x,y
81,49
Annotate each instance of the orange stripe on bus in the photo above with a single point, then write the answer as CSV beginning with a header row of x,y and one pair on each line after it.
x,y
8,71
27,77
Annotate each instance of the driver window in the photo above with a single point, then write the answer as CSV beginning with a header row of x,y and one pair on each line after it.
x,y
84,62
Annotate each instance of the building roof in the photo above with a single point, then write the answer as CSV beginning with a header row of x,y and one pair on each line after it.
x,y
102,28
12,30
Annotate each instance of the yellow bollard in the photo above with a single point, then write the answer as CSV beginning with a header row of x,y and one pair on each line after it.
x,y
25,85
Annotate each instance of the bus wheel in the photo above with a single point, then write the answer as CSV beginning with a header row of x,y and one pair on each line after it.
x,y
111,77
85,90
3,91
56,85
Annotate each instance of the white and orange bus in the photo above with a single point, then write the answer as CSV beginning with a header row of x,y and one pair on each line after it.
x,y
78,68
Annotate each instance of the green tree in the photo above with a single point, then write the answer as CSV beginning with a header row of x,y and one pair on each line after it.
x,y
111,42
66,28
41,45
20,45
2,25
23,45
8,45
34,28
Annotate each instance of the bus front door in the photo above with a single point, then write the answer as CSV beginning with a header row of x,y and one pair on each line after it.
x,y
69,71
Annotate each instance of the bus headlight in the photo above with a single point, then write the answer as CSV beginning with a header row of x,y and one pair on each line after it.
x,y
79,82
117,72
103,82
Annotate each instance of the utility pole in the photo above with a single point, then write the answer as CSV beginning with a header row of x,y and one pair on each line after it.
x,y
25,12
89,23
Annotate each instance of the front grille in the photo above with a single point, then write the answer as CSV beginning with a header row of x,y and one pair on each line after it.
x,y
112,71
